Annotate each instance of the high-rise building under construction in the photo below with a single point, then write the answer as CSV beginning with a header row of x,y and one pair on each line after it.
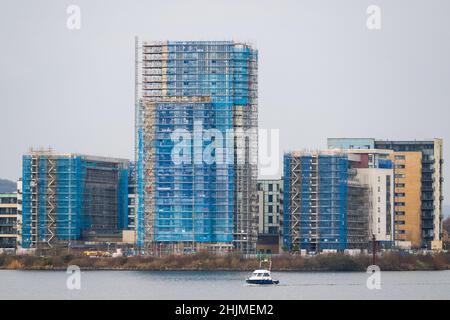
x,y
69,199
207,90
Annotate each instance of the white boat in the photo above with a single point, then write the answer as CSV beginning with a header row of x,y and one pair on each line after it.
x,y
262,276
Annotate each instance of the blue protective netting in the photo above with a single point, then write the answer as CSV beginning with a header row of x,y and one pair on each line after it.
x,y
85,197
332,204
194,202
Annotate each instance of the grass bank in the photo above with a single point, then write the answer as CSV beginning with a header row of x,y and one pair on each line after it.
x,y
392,261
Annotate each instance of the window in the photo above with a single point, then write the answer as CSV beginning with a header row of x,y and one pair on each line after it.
x,y
399,194
400,166
270,187
270,219
399,157
400,175
270,198
399,203
399,185
273,230
270,209
399,213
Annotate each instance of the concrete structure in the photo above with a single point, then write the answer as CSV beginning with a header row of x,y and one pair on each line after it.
x,y
8,221
418,203
69,199
375,169
270,215
204,89
270,206
381,215
325,207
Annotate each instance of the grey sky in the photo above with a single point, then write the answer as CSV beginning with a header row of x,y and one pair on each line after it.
x,y
322,73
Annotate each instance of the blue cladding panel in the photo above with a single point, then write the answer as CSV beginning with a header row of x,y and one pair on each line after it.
x,y
122,199
385,164
333,173
72,200
140,192
195,203
26,202
68,198
287,204
305,196
42,197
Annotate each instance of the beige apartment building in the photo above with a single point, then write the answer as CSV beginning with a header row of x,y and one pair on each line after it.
x,y
407,198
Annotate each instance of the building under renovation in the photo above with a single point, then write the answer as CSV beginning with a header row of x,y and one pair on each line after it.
x,y
325,206
68,199
205,92
418,186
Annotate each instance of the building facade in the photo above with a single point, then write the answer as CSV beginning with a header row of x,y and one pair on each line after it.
x,y
205,92
270,215
431,195
418,188
375,169
408,202
270,206
8,220
69,198
132,192
325,206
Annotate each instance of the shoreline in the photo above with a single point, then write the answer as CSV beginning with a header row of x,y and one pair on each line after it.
x,y
204,262
215,270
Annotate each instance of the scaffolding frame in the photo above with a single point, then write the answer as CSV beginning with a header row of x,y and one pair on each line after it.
x,y
226,73
325,207
70,198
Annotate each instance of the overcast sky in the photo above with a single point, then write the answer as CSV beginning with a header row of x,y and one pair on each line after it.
x,y
322,73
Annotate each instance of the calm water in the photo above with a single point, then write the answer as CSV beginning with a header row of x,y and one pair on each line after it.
x,y
221,285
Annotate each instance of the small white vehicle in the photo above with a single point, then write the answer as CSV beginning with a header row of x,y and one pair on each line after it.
x,y
262,276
